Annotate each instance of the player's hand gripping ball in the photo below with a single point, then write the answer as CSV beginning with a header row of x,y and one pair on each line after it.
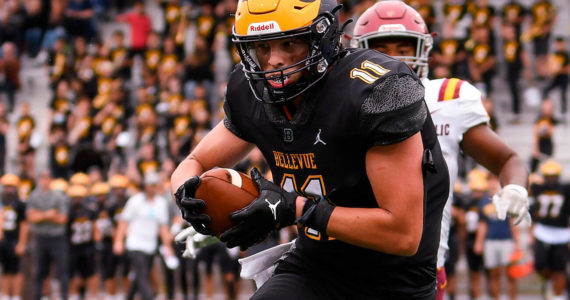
x,y
207,201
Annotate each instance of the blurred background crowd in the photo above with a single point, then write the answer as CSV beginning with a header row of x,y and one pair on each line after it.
x,y
95,95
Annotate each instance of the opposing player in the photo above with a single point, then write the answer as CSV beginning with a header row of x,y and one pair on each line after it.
x,y
551,209
352,150
394,28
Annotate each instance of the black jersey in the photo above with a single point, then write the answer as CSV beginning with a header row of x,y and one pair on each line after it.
x,y
116,205
367,99
550,205
14,212
104,222
81,222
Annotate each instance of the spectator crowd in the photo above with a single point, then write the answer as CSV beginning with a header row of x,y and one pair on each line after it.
x,y
128,105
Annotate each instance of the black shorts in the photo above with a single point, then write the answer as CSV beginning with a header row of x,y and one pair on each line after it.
x,y
111,262
228,264
82,261
215,251
549,256
452,255
10,261
474,261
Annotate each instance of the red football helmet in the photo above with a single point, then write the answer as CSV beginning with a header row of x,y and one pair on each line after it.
x,y
395,19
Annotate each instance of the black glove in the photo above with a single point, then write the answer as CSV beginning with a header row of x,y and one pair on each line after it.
x,y
191,207
274,208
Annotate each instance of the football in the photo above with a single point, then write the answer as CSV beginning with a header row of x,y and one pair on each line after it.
x,y
225,191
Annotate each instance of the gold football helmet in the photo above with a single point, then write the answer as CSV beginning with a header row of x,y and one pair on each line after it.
x,y
315,21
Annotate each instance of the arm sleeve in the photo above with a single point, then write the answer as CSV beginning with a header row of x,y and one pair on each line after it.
x,y
394,111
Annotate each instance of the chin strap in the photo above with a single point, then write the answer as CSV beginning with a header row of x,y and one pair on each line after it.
x,y
343,26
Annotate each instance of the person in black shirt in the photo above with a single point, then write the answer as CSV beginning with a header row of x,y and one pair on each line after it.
x,y
543,137
479,191
543,17
353,154
481,58
513,14
550,211
517,60
559,69
111,262
15,233
83,234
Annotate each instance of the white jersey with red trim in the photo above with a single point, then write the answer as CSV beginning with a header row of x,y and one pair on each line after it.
x,y
455,106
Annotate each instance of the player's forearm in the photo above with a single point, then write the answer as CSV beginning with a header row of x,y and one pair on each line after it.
x,y
514,172
219,148
378,229
186,169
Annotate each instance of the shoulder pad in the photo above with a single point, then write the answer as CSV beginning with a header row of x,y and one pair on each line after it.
x,y
454,88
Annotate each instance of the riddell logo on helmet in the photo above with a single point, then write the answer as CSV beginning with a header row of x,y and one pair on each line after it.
x,y
392,27
265,27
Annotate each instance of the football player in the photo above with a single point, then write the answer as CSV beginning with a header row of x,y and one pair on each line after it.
x,y
551,209
83,234
15,236
110,261
394,28
352,150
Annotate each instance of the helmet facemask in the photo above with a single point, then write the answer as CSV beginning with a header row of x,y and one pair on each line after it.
x,y
423,44
391,21
323,39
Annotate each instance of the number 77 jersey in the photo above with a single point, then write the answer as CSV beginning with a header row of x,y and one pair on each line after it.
x,y
551,204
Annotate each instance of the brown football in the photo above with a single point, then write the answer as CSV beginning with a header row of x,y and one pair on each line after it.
x,y
225,191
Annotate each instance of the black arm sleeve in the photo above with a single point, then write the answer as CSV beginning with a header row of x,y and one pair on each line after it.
x,y
394,111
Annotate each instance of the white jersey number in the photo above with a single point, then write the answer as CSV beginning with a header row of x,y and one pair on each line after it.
x,y
550,205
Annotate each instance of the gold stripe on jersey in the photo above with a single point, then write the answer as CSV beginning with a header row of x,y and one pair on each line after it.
x,y
450,89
